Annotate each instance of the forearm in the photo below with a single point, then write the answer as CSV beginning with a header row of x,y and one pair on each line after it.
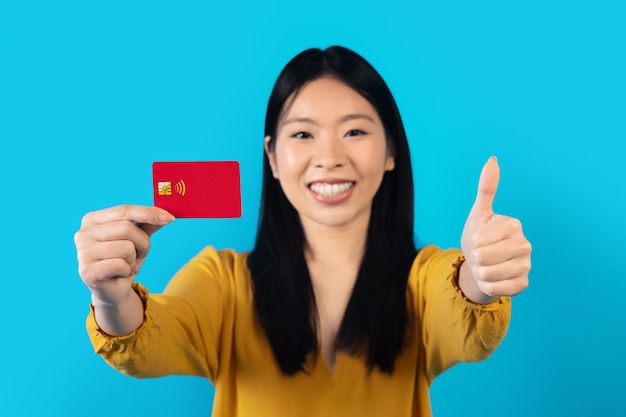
x,y
121,319
456,328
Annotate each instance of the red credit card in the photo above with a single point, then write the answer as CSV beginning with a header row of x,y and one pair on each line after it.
x,y
198,189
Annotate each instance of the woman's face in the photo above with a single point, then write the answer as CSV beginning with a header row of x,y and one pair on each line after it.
x,y
330,154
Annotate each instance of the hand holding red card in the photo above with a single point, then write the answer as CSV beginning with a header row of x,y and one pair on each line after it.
x,y
198,189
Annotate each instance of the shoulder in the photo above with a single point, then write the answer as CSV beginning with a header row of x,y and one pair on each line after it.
x,y
218,263
226,259
218,271
432,257
433,267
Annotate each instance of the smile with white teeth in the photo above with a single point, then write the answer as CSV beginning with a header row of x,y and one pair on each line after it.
x,y
330,190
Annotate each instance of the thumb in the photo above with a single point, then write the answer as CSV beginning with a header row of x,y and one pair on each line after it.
x,y
151,226
482,210
150,229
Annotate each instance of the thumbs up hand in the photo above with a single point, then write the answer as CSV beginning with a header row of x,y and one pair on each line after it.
x,y
497,254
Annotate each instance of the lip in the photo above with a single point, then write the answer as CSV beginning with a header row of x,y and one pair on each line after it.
x,y
332,199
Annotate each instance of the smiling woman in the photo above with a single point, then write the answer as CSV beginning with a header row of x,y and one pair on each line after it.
x,y
330,157
334,311
331,119
330,149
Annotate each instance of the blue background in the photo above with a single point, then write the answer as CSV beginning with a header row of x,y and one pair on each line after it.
x,y
92,92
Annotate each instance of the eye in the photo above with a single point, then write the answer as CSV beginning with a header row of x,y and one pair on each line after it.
x,y
302,135
355,132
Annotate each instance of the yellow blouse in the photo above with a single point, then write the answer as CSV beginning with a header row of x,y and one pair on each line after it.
x,y
204,324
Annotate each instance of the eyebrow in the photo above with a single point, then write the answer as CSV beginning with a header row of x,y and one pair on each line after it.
x,y
342,119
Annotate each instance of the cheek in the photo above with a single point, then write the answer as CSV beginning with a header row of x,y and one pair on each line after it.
x,y
289,159
376,159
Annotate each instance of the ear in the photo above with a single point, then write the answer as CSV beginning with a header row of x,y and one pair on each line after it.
x,y
271,155
390,162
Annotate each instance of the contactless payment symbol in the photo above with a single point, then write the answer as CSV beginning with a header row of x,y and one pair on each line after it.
x,y
180,187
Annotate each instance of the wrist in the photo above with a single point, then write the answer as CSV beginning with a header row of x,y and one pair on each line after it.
x,y
469,287
119,318
108,302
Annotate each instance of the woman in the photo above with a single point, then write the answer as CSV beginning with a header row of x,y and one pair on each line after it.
x,y
334,311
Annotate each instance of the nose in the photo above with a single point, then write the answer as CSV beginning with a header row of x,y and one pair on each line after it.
x,y
329,153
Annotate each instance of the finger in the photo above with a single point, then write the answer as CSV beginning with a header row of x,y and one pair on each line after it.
x,y
98,273
509,287
129,212
119,230
482,210
501,252
118,249
499,228
503,271
115,231
133,233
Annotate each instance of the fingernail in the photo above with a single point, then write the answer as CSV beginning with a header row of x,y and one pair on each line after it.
x,y
166,217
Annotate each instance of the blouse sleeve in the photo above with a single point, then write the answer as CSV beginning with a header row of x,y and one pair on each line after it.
x,y
453,328
185,329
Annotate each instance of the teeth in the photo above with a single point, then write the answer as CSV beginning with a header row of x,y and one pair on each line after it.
x,y
330,190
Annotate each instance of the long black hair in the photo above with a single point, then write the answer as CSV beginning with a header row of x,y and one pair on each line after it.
x,y
374,326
